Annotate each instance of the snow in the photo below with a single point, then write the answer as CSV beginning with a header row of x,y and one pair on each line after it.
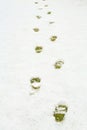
x,y
18,63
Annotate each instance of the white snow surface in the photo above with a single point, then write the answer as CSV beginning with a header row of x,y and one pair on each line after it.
x,y
18,63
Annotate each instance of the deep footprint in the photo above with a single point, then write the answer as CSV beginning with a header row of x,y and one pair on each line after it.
x,y
49,12
35,79
36,29
60,112
38,49
38,17
53,38
58,64
35,83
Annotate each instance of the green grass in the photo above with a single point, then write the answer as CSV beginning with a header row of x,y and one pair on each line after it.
x,y
36,29
60,112
53,38
58,64
35,79
59,117
49,12
35,87
38,49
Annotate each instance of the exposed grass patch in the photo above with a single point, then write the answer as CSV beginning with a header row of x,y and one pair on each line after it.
x,y
35,87
53,38
63,108
38,17
58,64
35,79
49,12
36,29
60,112
38,49
59,117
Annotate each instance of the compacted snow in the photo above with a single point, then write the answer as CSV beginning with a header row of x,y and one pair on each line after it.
x,y
20,107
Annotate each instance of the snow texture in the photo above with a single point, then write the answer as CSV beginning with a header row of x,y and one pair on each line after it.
x,y
19,110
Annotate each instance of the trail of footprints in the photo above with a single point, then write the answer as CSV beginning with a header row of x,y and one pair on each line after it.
x,y
35,82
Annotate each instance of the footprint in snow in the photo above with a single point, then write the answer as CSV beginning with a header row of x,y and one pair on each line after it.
x,y
38,49
53,38
36,29
35,83
60,112
38,17
36,2
49,12
58,64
